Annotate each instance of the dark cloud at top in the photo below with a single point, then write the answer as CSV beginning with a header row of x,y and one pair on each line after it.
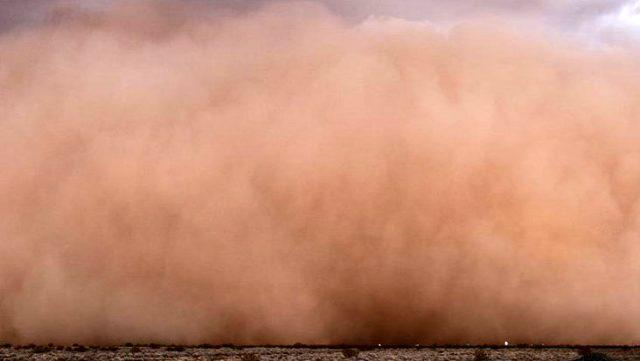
x,y
563,13
16,13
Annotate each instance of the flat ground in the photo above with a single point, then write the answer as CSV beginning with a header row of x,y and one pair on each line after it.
x,y
313,353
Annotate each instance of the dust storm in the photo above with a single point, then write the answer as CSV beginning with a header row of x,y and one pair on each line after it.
x,y
189,173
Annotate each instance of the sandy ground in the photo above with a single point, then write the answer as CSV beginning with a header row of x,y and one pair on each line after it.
x,y
307,353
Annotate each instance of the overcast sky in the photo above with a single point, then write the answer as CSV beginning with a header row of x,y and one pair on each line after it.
x,y
612,19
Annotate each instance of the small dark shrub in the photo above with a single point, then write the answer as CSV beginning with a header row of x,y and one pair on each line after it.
x,y
41,349
135,349
584,351
586,354
350,352
249,357
5,345
128,344
480,355
205,345
80,348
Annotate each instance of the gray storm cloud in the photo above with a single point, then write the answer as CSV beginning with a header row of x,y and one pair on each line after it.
x,y
189,173
568,13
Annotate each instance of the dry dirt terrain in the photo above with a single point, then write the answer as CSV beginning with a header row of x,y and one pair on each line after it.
x,y
154,352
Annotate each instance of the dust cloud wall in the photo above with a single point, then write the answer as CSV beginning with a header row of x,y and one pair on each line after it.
x,y
182,173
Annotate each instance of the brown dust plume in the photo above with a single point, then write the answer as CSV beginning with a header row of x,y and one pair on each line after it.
x,y
197,173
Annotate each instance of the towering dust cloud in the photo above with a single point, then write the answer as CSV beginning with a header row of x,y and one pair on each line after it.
x,y
276,174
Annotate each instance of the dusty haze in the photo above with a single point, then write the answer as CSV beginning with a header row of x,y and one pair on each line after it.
x,y
277,174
